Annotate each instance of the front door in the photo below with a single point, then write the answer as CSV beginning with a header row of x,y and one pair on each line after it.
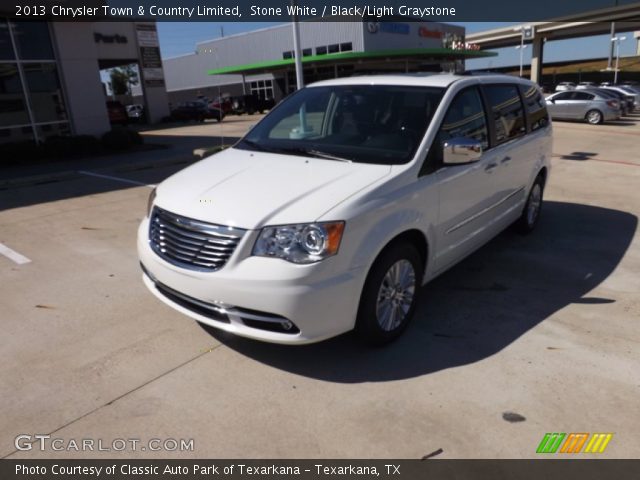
x,y
465,191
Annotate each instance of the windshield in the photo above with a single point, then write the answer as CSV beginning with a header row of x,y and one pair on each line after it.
x,y
381,124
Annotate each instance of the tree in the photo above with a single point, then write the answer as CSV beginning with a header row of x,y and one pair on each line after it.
x,y
122,78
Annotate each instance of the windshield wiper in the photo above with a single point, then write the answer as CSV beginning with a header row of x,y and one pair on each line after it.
x,y
293,150
326,156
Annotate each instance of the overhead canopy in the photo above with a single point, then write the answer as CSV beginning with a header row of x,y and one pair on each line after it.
x,y
409,54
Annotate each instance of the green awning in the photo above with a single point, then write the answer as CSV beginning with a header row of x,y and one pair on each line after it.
x,y
408,53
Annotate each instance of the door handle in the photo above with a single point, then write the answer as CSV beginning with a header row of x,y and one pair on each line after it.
x,y
506,159
489,168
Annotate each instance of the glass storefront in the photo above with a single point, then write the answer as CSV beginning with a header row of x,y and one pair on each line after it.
x,y
32,104
262,88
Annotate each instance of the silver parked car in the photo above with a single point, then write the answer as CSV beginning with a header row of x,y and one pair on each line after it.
x,y
628,91
590,106
626,101
564,86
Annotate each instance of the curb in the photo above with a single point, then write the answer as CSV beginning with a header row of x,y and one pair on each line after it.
x,y
32,180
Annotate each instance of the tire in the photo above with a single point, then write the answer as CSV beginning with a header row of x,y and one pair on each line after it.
x,y
378,322
531,212
594,117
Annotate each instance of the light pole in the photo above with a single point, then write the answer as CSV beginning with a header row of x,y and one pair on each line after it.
x,y
617,41
613,34
521,48
526,31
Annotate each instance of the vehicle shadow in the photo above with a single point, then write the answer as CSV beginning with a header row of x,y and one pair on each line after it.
x,y
623,122
480,306
61,179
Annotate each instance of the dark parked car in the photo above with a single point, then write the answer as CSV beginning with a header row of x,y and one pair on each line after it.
x,y
197,111
251,104
117,113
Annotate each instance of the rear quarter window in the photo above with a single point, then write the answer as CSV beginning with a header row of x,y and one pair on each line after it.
x,y
536,107
506,112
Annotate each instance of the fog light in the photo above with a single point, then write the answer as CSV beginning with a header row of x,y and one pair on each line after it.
x,y
287,325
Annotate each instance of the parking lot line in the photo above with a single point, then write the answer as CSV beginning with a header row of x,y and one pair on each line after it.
x,y
13,255
117,179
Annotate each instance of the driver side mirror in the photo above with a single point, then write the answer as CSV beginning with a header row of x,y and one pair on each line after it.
x,y
460,150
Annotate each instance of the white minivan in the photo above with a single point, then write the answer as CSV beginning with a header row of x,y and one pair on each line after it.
x,y
332,212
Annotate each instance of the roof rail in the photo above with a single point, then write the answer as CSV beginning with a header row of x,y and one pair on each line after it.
x,y
477,73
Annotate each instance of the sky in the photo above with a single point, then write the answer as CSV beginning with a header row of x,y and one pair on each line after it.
x,y
180,38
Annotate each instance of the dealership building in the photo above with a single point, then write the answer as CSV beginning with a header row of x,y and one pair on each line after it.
x,y
50,80
262,61
50,71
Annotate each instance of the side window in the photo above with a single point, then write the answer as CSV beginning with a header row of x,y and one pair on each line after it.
x,y
507,112
536,108
563,96
465,118
582,96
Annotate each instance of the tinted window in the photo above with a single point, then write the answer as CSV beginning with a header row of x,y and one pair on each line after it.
x,y
6,49
44,88
506,112
346,47
536,107
604,93
32,40
335,48
465,118
582,96
321,50
13,110
563,96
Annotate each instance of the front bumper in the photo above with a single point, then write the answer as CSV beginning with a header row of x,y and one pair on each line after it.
x,y
256,297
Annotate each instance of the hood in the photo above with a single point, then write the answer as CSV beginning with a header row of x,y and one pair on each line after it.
x,y
249,189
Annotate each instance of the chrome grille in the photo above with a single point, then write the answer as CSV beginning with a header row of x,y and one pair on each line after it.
x,y
191,243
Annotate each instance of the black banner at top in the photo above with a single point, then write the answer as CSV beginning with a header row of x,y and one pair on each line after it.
x,y
316,10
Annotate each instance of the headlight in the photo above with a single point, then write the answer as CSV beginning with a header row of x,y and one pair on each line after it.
x,y
152,197
303,243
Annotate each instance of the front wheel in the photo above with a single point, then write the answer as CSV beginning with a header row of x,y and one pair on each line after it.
x,y
594,117
389,295
531,213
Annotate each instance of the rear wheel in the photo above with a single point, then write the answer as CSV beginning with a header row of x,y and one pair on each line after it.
x,y
531,213
594,117
389,295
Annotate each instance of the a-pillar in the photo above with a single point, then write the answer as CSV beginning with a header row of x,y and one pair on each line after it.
x,y
536,59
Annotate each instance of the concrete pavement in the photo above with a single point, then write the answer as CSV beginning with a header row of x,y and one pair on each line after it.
x,y
529,335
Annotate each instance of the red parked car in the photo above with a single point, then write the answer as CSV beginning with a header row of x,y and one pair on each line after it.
x,y
117,113
224,104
